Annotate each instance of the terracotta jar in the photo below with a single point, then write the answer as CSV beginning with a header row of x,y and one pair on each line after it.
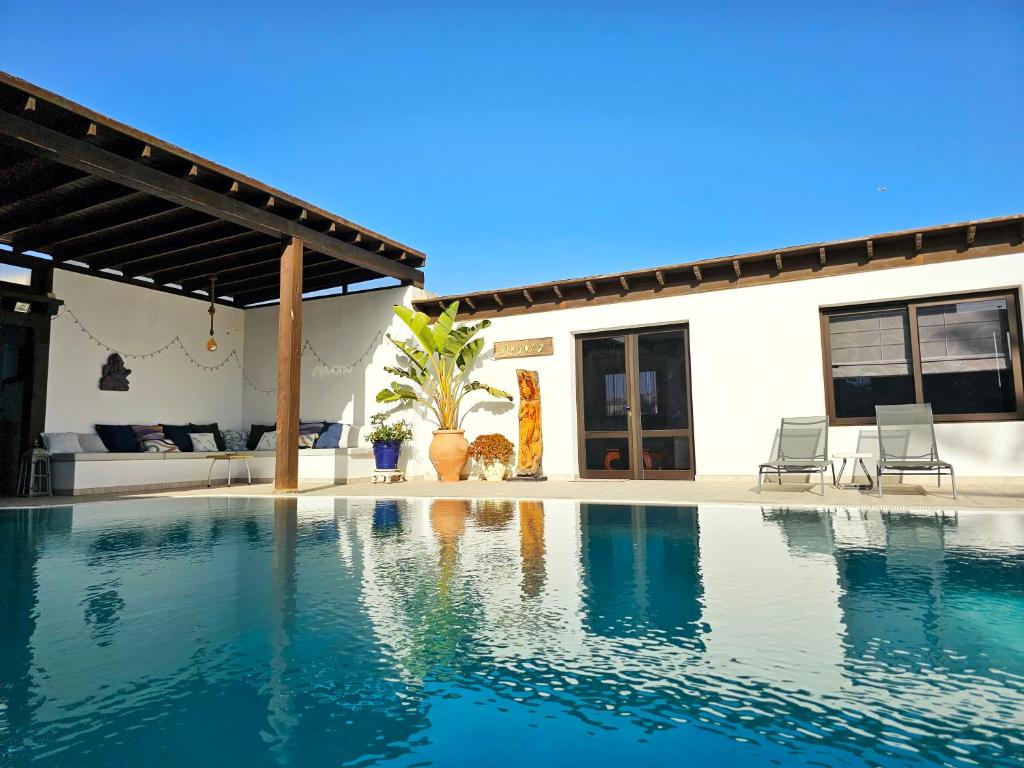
x,y
448,454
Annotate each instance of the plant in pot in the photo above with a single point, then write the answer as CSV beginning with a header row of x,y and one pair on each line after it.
x,y
493,453
438,363
387,440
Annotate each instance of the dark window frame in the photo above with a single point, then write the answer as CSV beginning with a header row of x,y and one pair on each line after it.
x,y
911,306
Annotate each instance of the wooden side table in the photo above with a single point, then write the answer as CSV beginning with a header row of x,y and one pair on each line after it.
x,y
229,457
856,458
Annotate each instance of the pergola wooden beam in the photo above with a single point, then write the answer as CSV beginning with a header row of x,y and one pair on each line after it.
x,y
95,161
179,238
102,228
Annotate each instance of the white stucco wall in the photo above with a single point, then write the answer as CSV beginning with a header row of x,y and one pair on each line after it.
x,y
755,357
163,389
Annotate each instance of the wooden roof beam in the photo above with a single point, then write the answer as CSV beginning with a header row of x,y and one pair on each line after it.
x,y
590,288
528,296
558,292
660,277
869,249
697,274
822,258
736,268
972,232
778,261
624,283
918,242
497,300
469,301
45,142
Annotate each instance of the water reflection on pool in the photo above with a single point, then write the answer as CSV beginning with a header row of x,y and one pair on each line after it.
x,y
330,632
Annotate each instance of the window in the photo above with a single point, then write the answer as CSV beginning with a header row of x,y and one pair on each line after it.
x,y
10,273
615,393
961,354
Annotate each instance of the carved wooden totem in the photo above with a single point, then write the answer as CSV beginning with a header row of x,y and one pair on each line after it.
x,y
530,444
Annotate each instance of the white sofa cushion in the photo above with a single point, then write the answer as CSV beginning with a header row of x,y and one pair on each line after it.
x,y
61,442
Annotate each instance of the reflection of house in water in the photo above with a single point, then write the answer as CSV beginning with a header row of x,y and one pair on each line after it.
x,y
24,536
641,569
923,591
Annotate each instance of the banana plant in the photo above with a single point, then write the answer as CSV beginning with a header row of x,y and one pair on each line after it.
x,y
438,365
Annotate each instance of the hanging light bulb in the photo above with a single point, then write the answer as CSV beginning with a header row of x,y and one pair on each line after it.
x,y
211,344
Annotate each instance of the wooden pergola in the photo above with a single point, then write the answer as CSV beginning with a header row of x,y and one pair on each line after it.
x,y
104,199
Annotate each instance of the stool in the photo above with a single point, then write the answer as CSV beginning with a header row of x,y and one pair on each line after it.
x,y
34,479
388,476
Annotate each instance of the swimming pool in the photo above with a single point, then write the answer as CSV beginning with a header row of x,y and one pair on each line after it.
x,y
257,632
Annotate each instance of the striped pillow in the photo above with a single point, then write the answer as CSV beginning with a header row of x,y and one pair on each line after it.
x,y
152,439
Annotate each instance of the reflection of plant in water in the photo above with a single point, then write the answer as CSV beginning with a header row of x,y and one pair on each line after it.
x,y
494,514
442,617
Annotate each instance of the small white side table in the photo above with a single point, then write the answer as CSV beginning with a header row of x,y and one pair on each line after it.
x,y
388,476
229,457
856,458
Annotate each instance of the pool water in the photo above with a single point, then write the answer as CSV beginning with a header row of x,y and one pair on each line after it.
x,y
263,632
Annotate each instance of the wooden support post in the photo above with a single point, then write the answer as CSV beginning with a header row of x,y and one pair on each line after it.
x,y
289,367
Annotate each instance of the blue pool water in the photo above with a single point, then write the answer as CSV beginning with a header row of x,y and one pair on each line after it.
x,y
261,632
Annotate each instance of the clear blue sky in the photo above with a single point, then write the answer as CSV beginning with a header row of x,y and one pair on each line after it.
x,y
524,142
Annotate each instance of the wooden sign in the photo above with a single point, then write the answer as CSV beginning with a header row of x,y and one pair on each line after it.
x,y
523,348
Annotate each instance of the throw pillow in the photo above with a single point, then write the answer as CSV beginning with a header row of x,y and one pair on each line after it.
x,y
148,432
211,429
307,441
204,442
234,440
61,442
332,436
118,438
91,443
158,446
180,435
256,431
268,442
311,427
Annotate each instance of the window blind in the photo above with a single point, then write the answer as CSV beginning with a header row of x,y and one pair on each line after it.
x,y
869,344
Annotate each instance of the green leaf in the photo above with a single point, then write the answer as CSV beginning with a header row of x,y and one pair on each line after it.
x,y
443,325
469,353
417,356
406,373
493,391
397,392
419,324
461,336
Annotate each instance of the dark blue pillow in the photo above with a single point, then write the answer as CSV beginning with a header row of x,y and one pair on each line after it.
x,y
179,434
118,438
331,436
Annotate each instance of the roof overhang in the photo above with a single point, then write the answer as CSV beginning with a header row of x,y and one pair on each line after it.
x,y
105,199
948,242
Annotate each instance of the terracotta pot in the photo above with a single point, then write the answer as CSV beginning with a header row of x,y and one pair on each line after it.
x,y
448,454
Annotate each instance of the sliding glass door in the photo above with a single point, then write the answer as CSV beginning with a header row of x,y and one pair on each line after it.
x,y
633,402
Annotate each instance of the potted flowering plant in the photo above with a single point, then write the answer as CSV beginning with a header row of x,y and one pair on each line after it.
x,y
387,440
493,453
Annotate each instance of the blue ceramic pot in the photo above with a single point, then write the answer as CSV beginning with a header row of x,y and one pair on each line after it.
x,y
386,454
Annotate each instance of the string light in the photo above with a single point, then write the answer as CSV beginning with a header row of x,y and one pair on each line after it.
x,y
232,356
